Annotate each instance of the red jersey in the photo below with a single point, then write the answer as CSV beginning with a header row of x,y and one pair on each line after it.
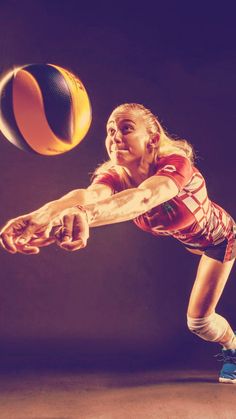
x,y
191,217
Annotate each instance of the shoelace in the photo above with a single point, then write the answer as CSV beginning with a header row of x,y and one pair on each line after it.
x,y
225,358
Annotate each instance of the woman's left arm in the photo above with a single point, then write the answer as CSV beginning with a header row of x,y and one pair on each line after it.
x,y
73,232
131,203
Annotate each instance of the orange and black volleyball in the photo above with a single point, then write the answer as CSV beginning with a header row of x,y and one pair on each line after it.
x,y
44,108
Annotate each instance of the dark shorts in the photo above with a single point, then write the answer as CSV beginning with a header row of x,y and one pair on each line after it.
x,y
224,251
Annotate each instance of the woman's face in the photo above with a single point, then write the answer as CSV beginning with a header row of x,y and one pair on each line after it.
x,y
127,138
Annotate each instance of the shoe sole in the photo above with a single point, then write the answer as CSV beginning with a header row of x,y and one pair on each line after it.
x,y
227,380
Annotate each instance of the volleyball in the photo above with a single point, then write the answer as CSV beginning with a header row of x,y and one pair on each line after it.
x,y
44,109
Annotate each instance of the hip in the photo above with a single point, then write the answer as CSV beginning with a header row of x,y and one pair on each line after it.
x,y
224,251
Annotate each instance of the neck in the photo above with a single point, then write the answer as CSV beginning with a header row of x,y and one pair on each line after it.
x,y
139,173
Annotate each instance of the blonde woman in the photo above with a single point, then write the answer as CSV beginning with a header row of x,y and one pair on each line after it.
x,y
150,178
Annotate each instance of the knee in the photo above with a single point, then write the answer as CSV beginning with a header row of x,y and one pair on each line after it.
x,y
211,328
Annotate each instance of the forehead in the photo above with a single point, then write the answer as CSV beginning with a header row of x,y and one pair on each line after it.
x,y
131,116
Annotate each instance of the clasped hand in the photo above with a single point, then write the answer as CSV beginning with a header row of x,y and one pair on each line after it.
x,y
73,231
27,233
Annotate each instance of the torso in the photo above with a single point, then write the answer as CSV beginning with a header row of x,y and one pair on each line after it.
x,y
191,217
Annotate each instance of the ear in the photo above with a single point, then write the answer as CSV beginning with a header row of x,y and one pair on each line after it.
x,y
152,142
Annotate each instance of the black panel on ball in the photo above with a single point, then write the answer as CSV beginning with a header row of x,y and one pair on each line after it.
x,y
8,118
56,98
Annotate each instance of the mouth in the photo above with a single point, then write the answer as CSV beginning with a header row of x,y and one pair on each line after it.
x,y
115,149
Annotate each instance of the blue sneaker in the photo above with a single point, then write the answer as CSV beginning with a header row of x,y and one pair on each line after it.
x,y
228,370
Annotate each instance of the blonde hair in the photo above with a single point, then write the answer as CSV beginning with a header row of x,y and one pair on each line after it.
x,y
165,146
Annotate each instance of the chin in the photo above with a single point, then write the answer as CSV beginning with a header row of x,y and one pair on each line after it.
x,y
121,162
117,160
121,159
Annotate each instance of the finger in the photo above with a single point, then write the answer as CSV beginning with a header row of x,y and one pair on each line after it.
x,y
72,246
7,243
21,249
80,229
52,234
28,250
80,234
26,236
8,227
65,233
15,226
56,233
42,241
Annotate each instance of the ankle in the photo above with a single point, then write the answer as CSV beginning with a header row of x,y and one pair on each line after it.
x,y
231,343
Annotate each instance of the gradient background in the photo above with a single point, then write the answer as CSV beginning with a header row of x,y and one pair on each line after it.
x,y
122,300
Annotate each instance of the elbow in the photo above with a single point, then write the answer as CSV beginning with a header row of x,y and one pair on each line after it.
x,y
156,191
151,199
146,199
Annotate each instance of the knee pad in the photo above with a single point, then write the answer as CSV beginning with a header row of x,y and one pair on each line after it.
x,y
211,328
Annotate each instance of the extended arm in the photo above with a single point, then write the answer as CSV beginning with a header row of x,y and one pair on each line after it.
x,y
123,206
131,203
93,193
25,233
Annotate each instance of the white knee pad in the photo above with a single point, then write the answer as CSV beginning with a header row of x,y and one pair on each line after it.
x,y
211,328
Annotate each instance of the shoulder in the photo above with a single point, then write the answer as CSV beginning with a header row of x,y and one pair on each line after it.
x,y
173,161
176,166
113,176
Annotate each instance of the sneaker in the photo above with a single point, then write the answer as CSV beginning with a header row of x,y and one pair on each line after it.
x,y
228,370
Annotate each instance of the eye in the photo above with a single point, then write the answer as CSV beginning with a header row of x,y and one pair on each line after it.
x,y
111,131
127,128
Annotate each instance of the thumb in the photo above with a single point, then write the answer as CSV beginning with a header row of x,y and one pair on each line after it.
x,y
27,235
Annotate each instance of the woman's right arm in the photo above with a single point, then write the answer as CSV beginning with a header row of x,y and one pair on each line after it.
x,y
94,193
16,234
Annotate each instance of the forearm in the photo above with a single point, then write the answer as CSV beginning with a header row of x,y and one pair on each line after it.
x,y
123,206
131,203
54,208
72,229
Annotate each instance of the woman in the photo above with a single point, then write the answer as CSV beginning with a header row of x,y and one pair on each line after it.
x,y
150,178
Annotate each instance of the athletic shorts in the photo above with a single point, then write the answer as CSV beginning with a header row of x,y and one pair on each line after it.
x,y
224,251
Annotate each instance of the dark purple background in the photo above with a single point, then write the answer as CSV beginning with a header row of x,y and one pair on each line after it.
x,y
125,296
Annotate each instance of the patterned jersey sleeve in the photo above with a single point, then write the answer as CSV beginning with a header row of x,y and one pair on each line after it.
x,y
176,167
109,178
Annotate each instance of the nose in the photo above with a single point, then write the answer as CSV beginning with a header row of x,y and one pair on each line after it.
x,y
117,136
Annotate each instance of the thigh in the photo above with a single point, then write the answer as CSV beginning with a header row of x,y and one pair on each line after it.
x,y
211,278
